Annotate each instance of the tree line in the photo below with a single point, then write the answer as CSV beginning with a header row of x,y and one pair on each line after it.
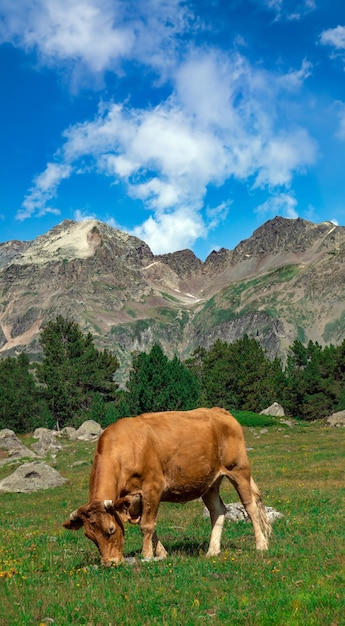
x,y
75,381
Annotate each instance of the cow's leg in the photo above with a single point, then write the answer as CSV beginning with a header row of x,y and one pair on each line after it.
x,y
217,510
158,548
151,545
251,500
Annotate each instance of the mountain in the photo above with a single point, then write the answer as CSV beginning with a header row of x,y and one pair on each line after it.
x,y
286,281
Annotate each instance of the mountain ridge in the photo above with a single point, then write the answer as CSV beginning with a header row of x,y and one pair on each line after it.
x,y
284,282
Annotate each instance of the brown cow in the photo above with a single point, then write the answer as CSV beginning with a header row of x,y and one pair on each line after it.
x,y
173,456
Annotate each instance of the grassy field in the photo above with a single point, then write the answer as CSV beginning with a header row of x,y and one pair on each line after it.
x,y
52,576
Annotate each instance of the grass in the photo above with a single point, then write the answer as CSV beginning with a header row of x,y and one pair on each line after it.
x,y
47,573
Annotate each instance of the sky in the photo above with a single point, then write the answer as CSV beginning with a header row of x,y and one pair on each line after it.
x,y
185,123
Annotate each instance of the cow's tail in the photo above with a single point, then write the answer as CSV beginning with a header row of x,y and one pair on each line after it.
x,y
263,519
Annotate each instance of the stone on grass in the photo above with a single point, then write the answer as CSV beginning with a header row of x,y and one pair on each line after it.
x,y
67,431
88,431
47,443
276,410
235,512
336,419
14,447
41,432
32,477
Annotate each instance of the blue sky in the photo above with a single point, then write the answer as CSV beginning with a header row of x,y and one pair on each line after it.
x,y
187,124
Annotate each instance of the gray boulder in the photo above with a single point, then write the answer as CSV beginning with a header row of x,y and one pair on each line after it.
x,y
336,419
47,443
40,432
88,431
32,477
67,431
276,410
235,512
13,446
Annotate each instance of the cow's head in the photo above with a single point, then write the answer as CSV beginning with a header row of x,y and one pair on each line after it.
x,y
103,523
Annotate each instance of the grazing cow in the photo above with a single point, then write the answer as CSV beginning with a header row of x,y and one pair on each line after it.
x,y
173,456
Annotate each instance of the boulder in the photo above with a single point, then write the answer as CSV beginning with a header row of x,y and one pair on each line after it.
x,y
47,443
276,410
14,447
32,477
88,431
235,512
336,419
67,431
40,432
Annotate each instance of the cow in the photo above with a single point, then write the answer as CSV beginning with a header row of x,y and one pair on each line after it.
x,y
170,456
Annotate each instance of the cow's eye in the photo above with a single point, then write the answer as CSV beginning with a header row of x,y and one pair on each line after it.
x,y
111,530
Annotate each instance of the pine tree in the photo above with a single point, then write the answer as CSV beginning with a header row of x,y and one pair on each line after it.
x,y
157,384
240,376
21,407
73,371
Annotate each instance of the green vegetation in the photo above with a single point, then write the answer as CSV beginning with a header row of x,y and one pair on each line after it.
x,y
168,296
21,406
249,418
75,381
250,296
158,384
237,376
73,372
335,329
47,573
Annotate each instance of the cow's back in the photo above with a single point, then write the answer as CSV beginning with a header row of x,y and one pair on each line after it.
x,y
183,449
167,430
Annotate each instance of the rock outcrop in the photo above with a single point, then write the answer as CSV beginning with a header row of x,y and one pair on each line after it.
x,y
88,431
276,410
13,447
336,419
32,477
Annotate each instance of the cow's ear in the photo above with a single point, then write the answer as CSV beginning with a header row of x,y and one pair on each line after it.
x,y
130,507
74,522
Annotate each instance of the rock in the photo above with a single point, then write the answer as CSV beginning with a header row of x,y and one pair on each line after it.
x,y
276,410
336,419
88,431
47,443
32,477
14,447
287,422
67,431
235,512
40,432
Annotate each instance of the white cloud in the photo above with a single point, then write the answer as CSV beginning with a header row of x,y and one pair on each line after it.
x,y
222,121
44,189
294,79
95,34
334,37
283,204
171,231
216,215
289,9
83,215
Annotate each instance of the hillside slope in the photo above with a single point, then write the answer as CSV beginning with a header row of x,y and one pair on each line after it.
x,y
286,281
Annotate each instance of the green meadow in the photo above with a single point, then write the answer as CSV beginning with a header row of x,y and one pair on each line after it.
x,y
52,576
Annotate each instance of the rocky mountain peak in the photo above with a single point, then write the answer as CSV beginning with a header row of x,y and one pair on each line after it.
x,y
285,235
184,262
286,280
72,240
